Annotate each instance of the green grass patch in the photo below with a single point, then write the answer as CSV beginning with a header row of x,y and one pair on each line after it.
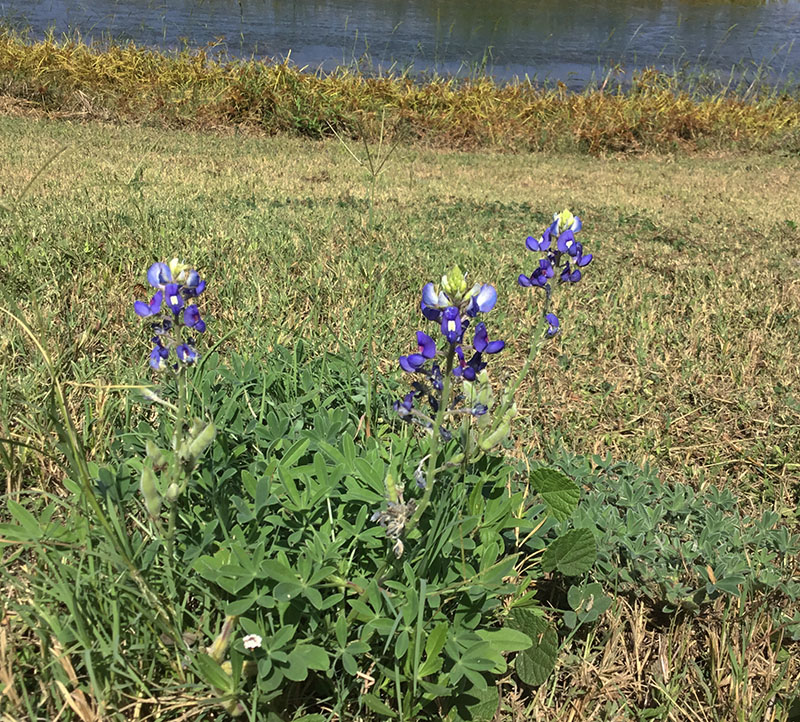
x,y
679,348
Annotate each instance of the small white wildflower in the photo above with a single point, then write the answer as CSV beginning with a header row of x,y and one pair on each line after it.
x,y
251,641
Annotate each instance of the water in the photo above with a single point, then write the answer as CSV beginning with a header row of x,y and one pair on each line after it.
x,y
574,41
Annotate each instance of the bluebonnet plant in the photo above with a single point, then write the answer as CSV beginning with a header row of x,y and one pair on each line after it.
x,y
437,366
173,322
439,363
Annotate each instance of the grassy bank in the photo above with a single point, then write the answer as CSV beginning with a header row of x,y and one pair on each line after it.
x,y
679,348
652,112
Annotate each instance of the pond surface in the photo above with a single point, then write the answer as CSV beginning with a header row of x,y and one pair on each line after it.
x,y
575,41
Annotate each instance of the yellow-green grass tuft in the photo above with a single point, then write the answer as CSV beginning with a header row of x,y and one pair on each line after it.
x,y
197,89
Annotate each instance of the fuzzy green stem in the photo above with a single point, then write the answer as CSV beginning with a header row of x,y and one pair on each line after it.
x,y
177,470
444,404
538,339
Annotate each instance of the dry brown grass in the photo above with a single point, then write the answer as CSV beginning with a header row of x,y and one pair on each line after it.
x,y
635,666
70,80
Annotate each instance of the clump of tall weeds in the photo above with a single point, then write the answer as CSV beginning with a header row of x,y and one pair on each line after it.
x,y
204,89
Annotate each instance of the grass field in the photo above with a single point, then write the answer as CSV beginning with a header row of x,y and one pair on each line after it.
x,y
681,346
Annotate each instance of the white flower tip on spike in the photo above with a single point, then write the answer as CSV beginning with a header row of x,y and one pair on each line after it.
x,y
251,641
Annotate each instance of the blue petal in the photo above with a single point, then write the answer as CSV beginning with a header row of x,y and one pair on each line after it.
x,y
432,314
191,315
426,344
486,298
142,309
481,338
173,297
405,365
563,240
186,353
158,274
523,280
429,295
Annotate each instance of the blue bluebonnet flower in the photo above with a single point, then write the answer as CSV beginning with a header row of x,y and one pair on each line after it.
x,y
186,353
451,324
483,301
193,286
415,361
552,324
191,317
540,276
569,276
481,341
173,297
468,369
173,322
580,259
539,244
159,355
404,408
149,309
159,275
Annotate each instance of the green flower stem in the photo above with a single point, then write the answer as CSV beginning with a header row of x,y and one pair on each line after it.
x,y
466,438
538,340
432,467
177,471
434,447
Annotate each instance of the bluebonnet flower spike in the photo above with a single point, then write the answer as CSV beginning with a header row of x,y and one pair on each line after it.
x,y
176,282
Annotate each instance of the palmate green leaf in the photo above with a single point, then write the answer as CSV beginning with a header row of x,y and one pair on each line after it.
x,y
240,606
483,657
477,705
286,591
310,655
505,639
571,554
278,571
559,493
